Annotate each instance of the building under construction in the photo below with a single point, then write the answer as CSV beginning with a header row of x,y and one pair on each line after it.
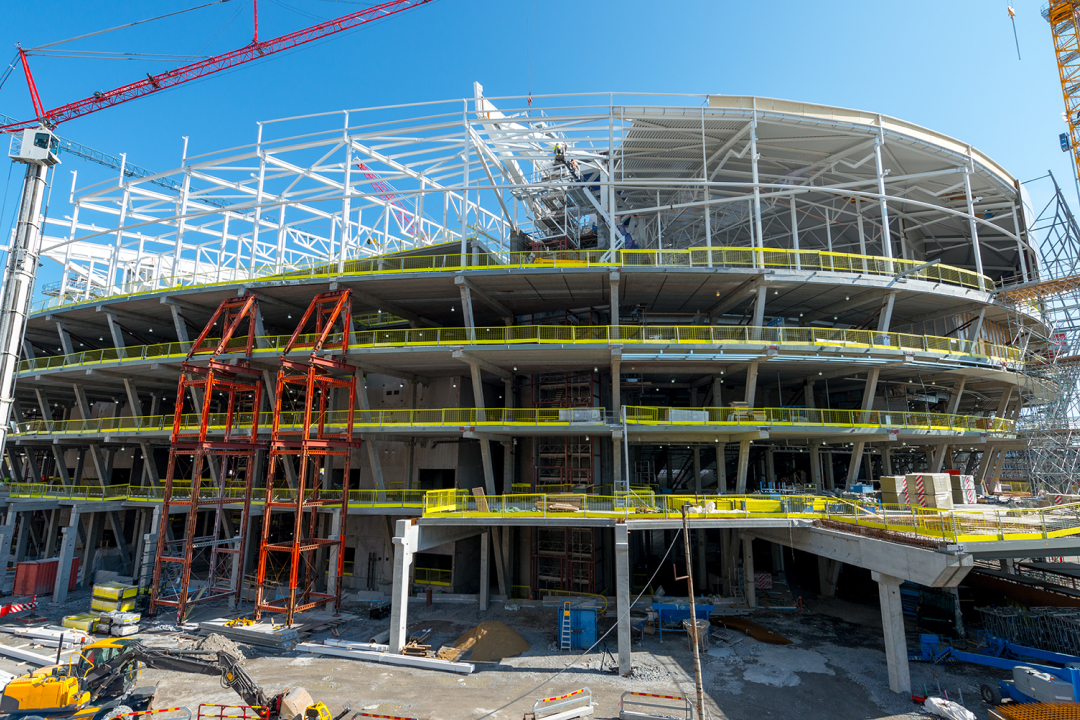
x,y
378,349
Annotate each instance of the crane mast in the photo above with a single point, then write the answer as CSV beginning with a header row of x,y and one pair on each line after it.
x,y
1065,26
38,152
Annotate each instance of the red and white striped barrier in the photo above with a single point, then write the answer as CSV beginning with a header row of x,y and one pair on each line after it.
x,y
11,608
920,490
763,581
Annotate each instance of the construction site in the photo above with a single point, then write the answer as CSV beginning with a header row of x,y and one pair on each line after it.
x,y
500,391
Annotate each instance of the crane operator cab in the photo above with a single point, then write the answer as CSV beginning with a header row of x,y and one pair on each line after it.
x,y
38,146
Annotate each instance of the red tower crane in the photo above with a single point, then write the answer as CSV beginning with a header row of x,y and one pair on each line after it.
x,y
156,83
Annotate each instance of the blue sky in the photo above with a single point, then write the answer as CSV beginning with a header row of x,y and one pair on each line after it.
x,y
950,65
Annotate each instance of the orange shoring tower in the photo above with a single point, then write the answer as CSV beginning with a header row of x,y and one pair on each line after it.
x,y
314,434
234,448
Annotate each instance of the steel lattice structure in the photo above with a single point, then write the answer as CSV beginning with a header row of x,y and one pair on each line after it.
x,y
1051,420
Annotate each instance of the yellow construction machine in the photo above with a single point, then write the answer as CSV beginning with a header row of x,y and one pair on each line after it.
x,y
100,684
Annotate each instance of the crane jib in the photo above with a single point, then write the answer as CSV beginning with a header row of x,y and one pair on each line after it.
x,y
254,51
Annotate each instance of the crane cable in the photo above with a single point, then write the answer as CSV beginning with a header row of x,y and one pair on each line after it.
x,y
121,27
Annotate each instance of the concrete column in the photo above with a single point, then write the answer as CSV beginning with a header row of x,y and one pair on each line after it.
x,y
729,550
744,461
622,591
854,462
892,621
613,291
749,586
828,575
770,464
485,570
721,468
759,312
70,534
404,548
21,536
94,524
616,387
815,464
1008,565
7,536
751,383
702,583
50,533
886,460
830,471
616,463
336,530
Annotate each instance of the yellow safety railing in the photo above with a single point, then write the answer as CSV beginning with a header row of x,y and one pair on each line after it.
x,y
813,417
70,492
568,335
431,576
952,526
732,257
366,498
292,422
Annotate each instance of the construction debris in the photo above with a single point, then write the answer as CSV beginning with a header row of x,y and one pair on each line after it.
x,y
341,649
488,642
220,643
751,628
262,634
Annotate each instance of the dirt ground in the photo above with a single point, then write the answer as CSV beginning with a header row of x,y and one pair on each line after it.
x,y
834,670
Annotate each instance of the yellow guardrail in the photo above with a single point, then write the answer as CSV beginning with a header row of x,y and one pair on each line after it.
x,y
565,335
953,526
207,490
431,576
292,422
797,417
733,257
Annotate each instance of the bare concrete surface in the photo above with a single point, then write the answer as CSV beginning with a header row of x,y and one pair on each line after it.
x,y
835,670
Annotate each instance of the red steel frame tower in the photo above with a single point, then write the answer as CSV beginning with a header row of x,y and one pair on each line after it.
x,y
228,457
309,432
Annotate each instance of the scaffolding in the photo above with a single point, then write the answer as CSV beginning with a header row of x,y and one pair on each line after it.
x,y
570,462
208,566
302,480
567,559
1050,389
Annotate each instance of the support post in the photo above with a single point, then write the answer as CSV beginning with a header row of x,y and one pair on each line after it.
x,y
405,544
70,534
892,621
485,570
744,463
622,584
749,586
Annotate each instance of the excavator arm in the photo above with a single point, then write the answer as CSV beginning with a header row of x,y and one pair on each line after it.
x,y
200,662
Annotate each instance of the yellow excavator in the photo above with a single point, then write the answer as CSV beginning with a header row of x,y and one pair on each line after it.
x,y
100,684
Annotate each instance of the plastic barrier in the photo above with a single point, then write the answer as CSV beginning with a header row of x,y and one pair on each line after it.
x,y
572,705
632,706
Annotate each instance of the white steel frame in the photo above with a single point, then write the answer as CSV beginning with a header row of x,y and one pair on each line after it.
x,y
700,171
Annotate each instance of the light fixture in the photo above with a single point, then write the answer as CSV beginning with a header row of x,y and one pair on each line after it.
x,y
847,297
101,339
515,369
290,317
151,330
819,373
451,308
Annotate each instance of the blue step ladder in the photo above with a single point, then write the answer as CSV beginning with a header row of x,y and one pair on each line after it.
x,y
564,628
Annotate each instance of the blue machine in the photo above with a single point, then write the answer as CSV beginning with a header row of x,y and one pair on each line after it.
x,y
675,613
1031,682
582,627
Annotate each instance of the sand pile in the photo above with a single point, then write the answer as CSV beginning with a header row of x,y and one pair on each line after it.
x,y
216,642
488,642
